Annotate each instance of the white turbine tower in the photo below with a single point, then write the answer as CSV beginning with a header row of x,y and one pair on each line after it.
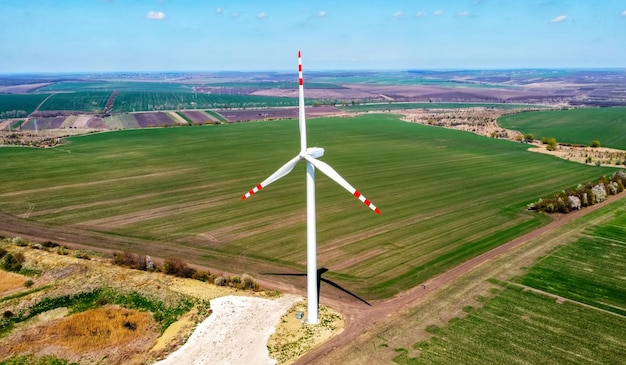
x,y
310,155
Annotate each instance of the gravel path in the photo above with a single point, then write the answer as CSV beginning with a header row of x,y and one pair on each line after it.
x,y
236,333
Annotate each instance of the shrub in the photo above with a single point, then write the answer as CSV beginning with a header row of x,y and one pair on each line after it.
x,y
28,283
248,282
204,276
595,143
220,281
19,241
529,137
177,267
12,262
3,252
62,250
129,259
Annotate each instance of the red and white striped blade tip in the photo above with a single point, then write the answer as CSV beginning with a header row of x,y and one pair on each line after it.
x,y
251,192
366,202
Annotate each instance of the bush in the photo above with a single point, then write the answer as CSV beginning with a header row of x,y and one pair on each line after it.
x,y
595,143
3,252
12,262
248,282
129,259
220,281
19,241
550,142
177,267
28,283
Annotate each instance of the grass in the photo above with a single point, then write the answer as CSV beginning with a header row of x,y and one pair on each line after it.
x,y
581,126
34,360
10,281
93,329
445,195
524,327
163,313
217,116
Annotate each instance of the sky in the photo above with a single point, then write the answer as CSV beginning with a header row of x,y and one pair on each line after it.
x,y
265,35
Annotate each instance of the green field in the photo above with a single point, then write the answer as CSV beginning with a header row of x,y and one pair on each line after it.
x,y
109,86
401,106
85,101
590,270
132,101
522,327
445,195
516,325
19,105
608,125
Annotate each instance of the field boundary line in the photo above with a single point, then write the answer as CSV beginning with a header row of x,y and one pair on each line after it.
x,y
560,297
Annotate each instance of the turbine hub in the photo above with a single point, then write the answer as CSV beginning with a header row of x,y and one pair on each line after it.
x,y
315,152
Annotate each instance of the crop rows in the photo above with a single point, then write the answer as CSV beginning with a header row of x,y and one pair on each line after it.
x,y
20,105
576,318
129,101
524,327
587,270
402,106
445,195
79,101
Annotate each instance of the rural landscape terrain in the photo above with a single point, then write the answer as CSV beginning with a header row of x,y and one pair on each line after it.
x,y
485,252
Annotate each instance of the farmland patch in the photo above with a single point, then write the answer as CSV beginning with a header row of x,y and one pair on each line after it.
x,y
445,195
80,101
581,126
587,270
523,326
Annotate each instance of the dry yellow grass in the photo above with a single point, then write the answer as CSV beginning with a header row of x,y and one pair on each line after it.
x,y
10,281
124,332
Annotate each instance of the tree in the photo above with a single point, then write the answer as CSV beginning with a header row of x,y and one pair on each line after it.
x,y
529,137
550,142
595,143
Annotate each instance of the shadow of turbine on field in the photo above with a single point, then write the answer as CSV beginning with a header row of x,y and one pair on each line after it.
x,y
320,272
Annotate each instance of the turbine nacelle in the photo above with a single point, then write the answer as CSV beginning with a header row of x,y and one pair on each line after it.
x,y
315,152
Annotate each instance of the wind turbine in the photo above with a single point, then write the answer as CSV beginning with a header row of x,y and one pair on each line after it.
x,y
310,156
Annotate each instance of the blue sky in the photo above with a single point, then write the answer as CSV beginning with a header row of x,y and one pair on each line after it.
x,y
207,35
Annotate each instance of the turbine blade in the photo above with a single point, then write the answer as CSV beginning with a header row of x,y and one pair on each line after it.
x,y
301,118
331,173
284,170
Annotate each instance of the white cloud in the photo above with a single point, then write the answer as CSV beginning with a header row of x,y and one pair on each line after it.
x,y
438,12
261,15
218,11
624,13
559,19
420,14
322,13
464,13
155,15
397,14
